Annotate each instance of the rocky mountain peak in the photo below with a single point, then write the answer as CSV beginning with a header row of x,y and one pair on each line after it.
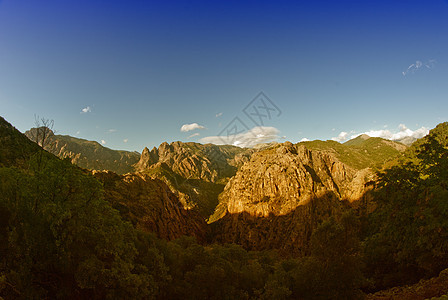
x,y
191,160
277,180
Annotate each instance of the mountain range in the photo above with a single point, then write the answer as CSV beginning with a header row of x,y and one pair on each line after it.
x,y
240,192
274,197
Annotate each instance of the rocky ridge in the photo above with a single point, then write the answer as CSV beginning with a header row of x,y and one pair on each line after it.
x,y
278,180
196,173
192,160
151,206
281,195
88,154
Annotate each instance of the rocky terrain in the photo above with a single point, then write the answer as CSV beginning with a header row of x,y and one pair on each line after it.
x,y
289,233
196,173
289,187
277,180
208,162
151,206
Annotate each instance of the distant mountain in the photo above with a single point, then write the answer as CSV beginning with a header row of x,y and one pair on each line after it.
x,y
88,154
359,140
360,152
440,133
409,140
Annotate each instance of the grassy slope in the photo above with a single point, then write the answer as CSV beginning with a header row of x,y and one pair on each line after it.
x,y
359,153
95,156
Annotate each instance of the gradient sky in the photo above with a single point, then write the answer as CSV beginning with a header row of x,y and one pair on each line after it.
x,y
142,69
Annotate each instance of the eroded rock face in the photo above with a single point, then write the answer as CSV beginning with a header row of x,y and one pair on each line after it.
x,y
289,233
151,206
191,160
278,180
196,173
278,198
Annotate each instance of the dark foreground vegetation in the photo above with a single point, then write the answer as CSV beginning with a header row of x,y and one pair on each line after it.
x,y
59,239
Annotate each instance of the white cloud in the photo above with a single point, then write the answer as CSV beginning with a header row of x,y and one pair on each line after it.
x,y
419,65
341,137
78,132
249,138
193,135
402,133
112,130
190,127
125,140
103,142
218,115
399,134
86,110
304,140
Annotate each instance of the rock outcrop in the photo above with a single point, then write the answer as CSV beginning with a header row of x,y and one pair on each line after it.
x,y
289,233
196,161
278,180
151,206
196,173
281,195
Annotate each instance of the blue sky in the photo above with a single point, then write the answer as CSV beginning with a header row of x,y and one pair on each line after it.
x,y
143,69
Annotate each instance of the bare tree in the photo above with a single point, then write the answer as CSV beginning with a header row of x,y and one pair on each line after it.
x,y
42,132
41,135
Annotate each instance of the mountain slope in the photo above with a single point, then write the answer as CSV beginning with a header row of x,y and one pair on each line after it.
x,y
88,154
361,152
15,148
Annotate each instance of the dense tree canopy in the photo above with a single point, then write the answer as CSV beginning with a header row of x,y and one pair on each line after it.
x,y
408,232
